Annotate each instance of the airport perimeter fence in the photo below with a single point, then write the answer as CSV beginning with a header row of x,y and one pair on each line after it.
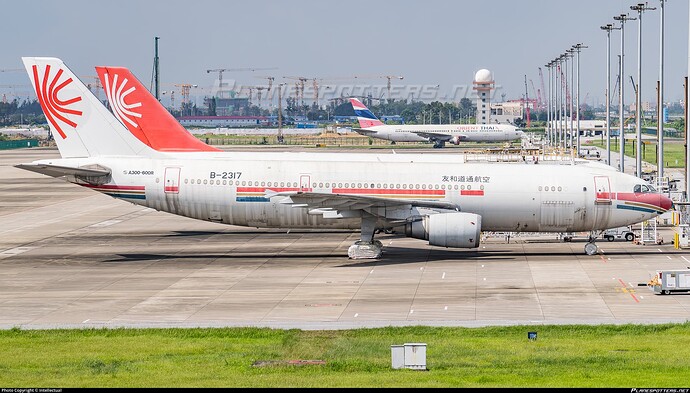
x,y
18,144
306,141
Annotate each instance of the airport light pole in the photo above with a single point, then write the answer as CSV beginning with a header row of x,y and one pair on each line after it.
x,y
559,100
640,8
660,109
548,107
578,48
564,101
622,18
608,29
571,54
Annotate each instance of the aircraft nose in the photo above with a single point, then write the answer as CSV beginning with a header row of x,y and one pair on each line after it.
x,y
665,202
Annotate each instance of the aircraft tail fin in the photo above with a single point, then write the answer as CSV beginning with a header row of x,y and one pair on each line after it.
x,y
364,116
143,115
79,122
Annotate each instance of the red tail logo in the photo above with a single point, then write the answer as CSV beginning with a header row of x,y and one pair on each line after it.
x,y
54,108
116,97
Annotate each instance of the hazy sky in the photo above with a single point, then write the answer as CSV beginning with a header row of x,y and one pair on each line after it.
x,y
428,42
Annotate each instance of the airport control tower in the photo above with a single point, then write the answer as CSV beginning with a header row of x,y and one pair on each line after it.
x,y
483,84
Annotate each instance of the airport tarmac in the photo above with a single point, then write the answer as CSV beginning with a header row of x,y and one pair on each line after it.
x,y
70,257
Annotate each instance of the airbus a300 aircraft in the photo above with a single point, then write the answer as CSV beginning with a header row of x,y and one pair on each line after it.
x,y
439,134
441,198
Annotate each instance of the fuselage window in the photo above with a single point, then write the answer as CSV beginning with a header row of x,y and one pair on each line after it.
x,y
416,186
282,184
546,188
225,182
462,187
553,188
560,188
263,184
185,181
198,181
539,188
469,187
204,181
397,186
456,187
481,187
320,185
230,182
423,186
244,182
294,184
436,186
359,185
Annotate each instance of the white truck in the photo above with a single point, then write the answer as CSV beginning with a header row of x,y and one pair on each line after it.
x,y
619,233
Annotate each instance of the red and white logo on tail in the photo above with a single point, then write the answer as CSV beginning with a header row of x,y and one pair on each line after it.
x,y
58,112
364,116
143,115
122,110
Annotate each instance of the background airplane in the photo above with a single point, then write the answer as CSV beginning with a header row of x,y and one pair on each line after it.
x,y
439,134
440,198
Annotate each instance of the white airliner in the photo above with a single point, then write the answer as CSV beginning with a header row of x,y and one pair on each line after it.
x,y
446,199
439,134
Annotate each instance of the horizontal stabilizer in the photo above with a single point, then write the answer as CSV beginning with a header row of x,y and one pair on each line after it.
x,y
58,171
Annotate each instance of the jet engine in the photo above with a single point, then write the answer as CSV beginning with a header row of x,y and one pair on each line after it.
x,y
456,139
457,230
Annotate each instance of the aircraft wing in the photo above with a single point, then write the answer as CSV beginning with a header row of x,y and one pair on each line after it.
x,y
340,203
363,131
58,171
436,136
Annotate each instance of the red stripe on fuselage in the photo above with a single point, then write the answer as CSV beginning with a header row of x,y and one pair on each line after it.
x,y
472,192
115,187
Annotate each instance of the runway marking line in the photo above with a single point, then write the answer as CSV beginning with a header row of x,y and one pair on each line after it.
x,y
686,259
630,291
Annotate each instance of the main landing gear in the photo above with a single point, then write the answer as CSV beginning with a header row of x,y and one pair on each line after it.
x,y
366,247
439,144
591,247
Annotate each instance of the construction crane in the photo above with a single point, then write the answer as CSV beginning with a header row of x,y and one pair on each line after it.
x,y
388,80
316,84
542,102
535,93
251,89
220,72
299,88
527,103
95,86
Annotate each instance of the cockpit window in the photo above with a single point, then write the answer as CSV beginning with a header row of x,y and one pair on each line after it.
x,y
643,188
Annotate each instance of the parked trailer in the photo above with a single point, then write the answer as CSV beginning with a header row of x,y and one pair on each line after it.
x,y
666,282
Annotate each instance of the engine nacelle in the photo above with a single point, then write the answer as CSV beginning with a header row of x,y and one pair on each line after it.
x,y
458,230
456,140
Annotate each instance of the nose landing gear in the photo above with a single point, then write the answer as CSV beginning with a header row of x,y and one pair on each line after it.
x,y
591,246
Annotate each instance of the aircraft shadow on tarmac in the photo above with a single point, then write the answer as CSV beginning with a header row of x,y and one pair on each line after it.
x,y
391,256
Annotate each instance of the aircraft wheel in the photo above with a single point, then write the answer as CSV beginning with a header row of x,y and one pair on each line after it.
x,y
629,237
610,238
591,248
